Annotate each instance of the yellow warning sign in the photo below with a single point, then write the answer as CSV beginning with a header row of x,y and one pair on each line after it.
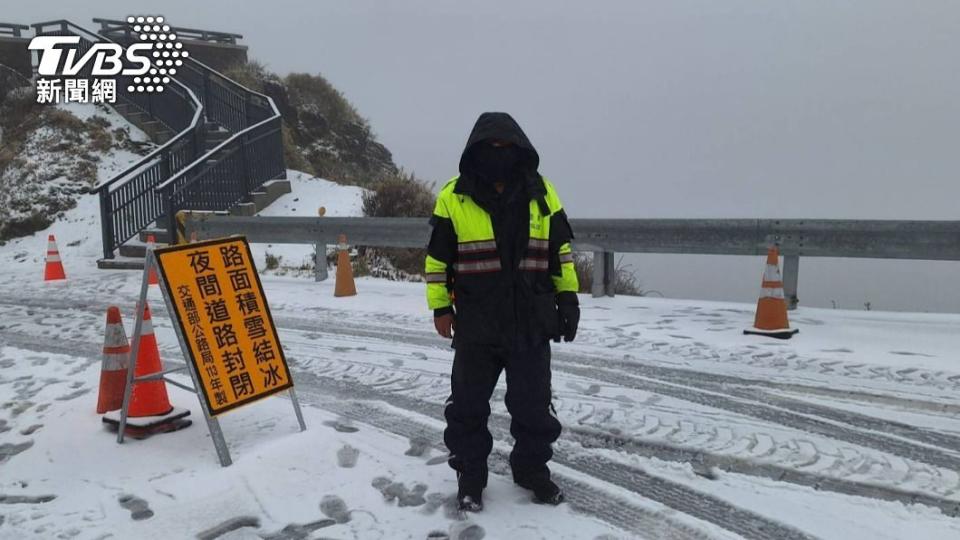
x,y
224,319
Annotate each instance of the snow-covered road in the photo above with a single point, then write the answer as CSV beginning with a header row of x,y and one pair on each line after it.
x,y
665,436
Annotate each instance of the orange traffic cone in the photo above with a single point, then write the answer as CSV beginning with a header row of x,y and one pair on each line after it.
x,y
113,372
54,266
344,285
149,410
148,398
771,319
152,275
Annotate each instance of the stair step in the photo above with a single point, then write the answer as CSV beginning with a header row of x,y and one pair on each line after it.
x,y
160,235
135,248
120,263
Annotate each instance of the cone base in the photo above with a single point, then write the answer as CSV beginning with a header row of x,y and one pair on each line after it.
x,y
113,418
143,433
783,333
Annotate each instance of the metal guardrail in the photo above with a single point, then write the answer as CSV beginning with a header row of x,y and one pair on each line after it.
x,y
917,240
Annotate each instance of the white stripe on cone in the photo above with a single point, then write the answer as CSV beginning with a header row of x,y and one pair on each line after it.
x,y
147,328
772,293
771,273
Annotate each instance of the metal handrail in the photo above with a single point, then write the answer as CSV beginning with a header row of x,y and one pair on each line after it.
x,y
12,29
126,205
204,35
146,190
64,26
188,131
218,148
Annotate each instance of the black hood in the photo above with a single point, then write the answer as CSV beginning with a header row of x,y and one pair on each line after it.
x,y
499,126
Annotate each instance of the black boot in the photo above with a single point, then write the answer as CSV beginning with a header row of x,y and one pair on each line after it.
x,y
470,486
545,491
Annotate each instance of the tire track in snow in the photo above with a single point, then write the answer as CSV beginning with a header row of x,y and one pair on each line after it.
x,y
664,451
701,461
392,325
674,495
586,498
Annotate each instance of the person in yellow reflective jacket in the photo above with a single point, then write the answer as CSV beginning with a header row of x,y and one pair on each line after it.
x,y
501,282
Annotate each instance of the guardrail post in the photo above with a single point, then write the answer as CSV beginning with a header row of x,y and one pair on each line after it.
x,y
597,288
609,276
603,274
320,261
791,272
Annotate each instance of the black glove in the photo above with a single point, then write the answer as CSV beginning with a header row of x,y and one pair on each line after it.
x,y
569,309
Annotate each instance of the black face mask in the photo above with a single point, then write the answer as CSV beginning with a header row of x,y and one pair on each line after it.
x,y
496,164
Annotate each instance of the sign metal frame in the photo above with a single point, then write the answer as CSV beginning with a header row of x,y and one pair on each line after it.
x,y
213,424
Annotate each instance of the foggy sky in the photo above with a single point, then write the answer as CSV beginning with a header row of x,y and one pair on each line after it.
x,y
813,109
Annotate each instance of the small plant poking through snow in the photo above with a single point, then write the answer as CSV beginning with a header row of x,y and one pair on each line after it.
x,y
625,282
273,262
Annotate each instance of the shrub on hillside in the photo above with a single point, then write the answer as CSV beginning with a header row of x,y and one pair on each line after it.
x,y
323,134
402,195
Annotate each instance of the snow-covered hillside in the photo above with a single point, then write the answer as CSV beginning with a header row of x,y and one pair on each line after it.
x,y
64,150
676,424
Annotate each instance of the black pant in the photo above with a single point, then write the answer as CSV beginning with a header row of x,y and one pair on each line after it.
x,y
534,424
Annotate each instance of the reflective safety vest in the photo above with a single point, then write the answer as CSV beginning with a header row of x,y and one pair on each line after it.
x,y
476,247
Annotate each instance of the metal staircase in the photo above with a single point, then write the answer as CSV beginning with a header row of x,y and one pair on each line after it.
x,y
220,149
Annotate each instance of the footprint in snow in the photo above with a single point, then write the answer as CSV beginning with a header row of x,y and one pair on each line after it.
x,y
8,450
347,456
419,446
908,353
435,501
26,499
334,508
593,389
30,430
73,395
398,491
139,508
341,426
466,531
